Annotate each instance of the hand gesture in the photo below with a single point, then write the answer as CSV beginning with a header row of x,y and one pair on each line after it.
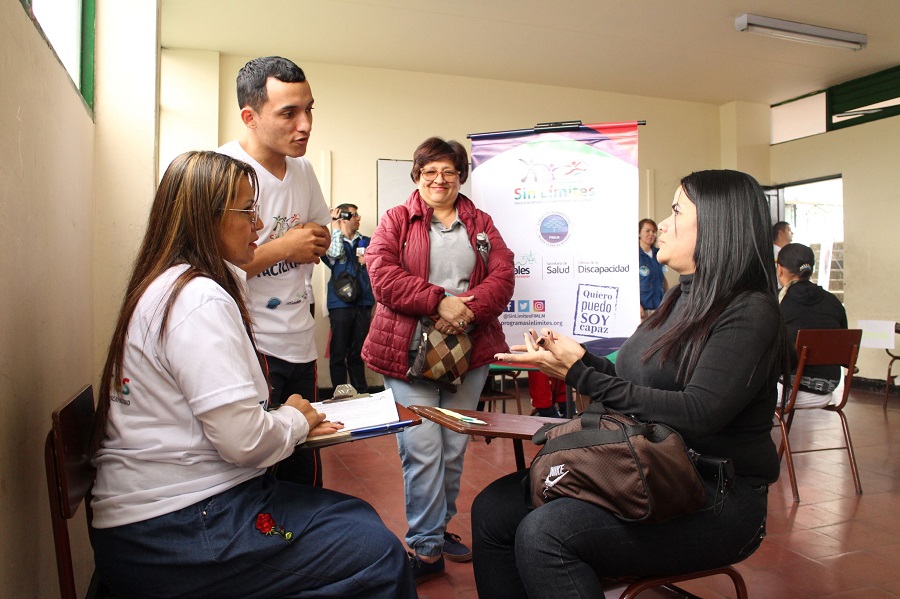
x,y
553,353
446,327
305,244
453,310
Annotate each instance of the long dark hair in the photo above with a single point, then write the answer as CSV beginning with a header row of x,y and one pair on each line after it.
x,y
733,256
183,228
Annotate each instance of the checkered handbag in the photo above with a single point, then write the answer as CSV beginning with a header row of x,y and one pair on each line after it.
x,y
441,359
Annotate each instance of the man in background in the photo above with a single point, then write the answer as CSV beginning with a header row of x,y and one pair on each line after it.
x,y
276,108
349,318
782,234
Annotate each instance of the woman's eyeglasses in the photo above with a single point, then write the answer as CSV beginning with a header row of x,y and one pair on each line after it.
x,y
253,212
432,173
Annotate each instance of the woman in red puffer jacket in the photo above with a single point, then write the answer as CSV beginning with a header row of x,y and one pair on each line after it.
x,y
436,256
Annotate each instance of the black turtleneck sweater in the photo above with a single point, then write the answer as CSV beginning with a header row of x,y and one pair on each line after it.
x,y
726,408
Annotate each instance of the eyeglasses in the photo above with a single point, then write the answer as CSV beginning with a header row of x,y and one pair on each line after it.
x,y
432,173
253,212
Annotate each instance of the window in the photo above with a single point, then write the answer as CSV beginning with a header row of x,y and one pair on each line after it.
x,y
862,100
69,27
815,210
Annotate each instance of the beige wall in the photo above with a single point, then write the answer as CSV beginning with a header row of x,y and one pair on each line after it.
x,y
75,198
188,103
46,298
866,156
126,149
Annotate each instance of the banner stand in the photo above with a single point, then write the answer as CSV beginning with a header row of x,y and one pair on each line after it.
x,y
564,195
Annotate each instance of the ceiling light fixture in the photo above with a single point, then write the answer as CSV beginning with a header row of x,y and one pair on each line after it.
x,y
801,32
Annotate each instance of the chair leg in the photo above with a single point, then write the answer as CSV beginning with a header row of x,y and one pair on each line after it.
x,y
853,467
518,397
786,448
887,383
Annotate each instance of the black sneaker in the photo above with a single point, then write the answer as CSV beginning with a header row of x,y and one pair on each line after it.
x,y
423,571
551,412
454,550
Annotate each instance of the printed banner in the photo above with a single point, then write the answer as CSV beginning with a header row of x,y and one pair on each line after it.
x,y
566,202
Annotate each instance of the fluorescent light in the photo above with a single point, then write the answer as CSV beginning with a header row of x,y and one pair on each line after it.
x,y
801,32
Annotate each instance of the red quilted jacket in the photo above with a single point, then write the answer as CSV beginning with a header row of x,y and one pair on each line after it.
x,y
397,260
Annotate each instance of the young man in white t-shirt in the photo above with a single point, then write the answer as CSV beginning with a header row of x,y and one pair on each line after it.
x,y
276,108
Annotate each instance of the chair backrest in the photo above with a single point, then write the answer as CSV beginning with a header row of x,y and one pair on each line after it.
x,y
69,476
827,346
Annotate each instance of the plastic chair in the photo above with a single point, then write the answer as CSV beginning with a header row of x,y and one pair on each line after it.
x,y
70,477
821,347
894,358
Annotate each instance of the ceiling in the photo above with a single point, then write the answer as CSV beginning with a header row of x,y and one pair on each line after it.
x,y
674,49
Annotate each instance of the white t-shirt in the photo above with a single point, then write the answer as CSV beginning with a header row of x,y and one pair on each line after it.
x,y
189,402
279,298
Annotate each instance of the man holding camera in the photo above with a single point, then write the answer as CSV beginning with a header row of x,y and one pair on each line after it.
x,y
350,298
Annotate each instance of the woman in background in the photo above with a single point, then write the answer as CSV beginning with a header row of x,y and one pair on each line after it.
x,y
652,274
805,305
182,505
436,256
706,364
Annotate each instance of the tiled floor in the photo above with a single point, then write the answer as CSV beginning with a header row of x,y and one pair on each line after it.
x,y
832,544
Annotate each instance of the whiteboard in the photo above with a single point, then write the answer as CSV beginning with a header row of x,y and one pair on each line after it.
x,y
395,184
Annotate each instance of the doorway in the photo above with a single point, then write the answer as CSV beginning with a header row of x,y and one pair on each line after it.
x,y
815,210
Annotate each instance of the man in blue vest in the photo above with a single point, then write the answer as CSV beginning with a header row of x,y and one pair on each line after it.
x,y
350,316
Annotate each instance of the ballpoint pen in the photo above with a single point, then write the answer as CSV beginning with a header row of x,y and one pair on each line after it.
x,y
460,417
381,427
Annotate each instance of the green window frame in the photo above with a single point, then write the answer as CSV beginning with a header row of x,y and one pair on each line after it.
x,y
87,35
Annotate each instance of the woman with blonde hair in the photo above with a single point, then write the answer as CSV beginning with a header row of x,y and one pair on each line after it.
x,y
182,505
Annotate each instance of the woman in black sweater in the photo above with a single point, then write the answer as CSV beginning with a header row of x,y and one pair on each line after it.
x,y
706,363
805,305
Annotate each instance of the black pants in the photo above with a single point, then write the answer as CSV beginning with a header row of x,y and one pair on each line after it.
x,y
287,378
349,327
564,548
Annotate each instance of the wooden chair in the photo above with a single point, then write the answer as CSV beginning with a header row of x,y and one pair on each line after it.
x,y
894,358
821,347
490,395
637,587
70,477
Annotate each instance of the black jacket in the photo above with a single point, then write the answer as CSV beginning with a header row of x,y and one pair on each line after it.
x,y
808,306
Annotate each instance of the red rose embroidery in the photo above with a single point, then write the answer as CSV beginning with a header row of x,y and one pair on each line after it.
x,y
265,524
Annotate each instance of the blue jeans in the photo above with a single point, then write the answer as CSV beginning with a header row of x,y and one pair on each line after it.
x,y
432,459
217,548
564,548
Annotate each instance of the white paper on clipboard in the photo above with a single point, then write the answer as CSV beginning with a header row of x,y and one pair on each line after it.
x,y
360,412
